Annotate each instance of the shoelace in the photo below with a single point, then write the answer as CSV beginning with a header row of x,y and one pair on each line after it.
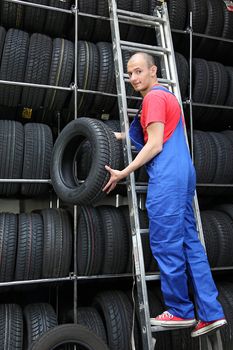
x,y
166,314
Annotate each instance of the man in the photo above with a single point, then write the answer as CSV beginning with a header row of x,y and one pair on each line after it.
x,y
159,137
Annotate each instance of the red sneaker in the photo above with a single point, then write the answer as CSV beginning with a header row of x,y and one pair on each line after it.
x,y
205,327
168,320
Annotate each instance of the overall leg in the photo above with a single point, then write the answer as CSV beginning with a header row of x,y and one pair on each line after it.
x,y
206,293
167,239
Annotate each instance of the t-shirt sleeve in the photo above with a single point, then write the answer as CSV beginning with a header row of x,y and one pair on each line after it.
x,y
154,109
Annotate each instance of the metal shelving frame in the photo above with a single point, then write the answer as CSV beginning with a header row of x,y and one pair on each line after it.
x,y
74,87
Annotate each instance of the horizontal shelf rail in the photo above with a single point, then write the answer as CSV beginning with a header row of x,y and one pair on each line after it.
x,y
46,7
188,102
32,181
42,86
42,280
188,30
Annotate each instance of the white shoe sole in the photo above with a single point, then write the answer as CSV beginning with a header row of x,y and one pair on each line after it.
x,y
209,328
187,323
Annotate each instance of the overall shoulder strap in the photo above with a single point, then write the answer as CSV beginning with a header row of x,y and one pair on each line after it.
x,y
162,88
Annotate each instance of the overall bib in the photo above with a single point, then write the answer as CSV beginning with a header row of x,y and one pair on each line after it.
x,y
173,236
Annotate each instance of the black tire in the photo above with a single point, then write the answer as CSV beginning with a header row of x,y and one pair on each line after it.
x,y
90,318
102,30
211,236
34,18
137,33
57,243
205,156
224,48
30,247
219,89
224,227
227,114
37,70
199,10
114,125
84,159
61,71
88,63
177,11
227,209
224,165
13,64
199,19
11,327
116,240
63,176
90,242
225,300
2,40
203,80
214,25
86,25
38,145
127,6
11,155
40,317
55,22
114,308
183,74
106,80
12,15
8,237
69,334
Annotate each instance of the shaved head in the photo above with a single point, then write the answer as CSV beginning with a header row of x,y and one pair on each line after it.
x,y
150,60
142,72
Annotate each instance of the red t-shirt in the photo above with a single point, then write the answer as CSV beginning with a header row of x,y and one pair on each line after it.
x,y
160,106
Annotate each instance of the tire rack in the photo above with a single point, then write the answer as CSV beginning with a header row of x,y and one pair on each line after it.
x,y
190,103
74,87
214,341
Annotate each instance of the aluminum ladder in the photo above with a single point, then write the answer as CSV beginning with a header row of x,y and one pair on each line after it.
x,y
160,23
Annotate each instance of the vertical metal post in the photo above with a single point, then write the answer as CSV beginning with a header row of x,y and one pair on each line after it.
x,y
75,116
191,81
76,60
131,192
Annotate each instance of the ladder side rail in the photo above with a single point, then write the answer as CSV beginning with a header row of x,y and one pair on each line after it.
x,y
131,192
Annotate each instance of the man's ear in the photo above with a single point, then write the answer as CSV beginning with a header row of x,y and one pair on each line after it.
x,y
153,70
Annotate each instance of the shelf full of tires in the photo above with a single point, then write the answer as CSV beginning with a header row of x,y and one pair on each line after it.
x,y
204,40
37,47
40,251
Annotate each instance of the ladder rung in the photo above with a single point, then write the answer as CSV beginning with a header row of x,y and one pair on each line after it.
x,y
132,46
144,230
153,277
141,188
137,21
162,329
136,15
166,81
132,110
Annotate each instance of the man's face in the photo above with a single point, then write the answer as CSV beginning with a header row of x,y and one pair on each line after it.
x,y
141,76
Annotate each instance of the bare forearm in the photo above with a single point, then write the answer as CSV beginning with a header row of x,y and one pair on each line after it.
x,y
119,135
143,157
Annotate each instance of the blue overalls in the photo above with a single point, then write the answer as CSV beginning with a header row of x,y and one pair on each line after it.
x,y
173,236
